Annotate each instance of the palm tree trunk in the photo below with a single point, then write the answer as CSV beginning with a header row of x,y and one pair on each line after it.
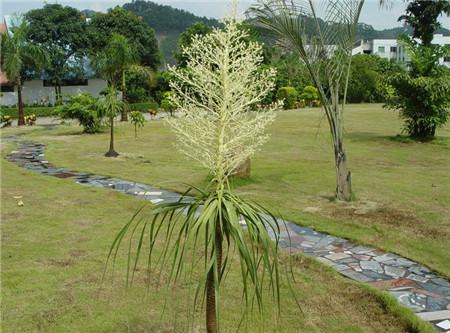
x,y
211,315
124,113
343,176
111,152
21,117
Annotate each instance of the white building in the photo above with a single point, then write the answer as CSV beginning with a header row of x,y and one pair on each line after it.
x,y
391,49
39,91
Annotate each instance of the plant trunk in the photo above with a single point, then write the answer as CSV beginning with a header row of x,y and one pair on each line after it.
x,y
343,176
111,152
423,133
21,117
211,315
124,113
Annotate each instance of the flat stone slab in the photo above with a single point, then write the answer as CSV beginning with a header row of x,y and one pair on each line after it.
x,y
445,325
337,256
371,266
435,315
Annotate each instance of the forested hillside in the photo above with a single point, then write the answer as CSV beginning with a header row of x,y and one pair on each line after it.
x,y
169,22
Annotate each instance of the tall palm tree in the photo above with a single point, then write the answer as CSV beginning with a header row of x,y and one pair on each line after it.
x,y
327,54
114,62
110,106
19,55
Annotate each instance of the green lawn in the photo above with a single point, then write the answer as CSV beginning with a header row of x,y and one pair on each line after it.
x,y
409,181
54,249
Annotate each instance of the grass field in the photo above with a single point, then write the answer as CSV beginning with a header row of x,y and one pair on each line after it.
x,y
54,250
408,182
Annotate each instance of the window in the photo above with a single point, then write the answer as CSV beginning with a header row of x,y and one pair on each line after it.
x,y
394,49
7,88
65,83
380,49
447,59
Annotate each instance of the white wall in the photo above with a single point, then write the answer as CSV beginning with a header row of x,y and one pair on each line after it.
x,y
34,91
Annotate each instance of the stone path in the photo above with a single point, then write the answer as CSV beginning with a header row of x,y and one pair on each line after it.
x,y
412,284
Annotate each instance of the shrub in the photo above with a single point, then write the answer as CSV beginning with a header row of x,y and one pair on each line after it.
x,y
310,95
5,120
143,107
83,107
288,95
30,120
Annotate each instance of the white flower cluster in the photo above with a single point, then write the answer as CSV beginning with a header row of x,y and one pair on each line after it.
x,y
216,92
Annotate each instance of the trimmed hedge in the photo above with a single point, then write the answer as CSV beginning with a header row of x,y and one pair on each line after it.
x,y
50,111
39,111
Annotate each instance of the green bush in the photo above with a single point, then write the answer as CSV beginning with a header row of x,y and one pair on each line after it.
x,y
309,95
288,95
83,107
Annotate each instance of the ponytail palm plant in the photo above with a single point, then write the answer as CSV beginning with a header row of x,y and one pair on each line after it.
x,y
215,91
326,50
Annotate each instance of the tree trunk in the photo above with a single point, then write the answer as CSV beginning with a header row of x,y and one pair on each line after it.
x,y
343,176
111,152
211,315
244,169
21,117
124,113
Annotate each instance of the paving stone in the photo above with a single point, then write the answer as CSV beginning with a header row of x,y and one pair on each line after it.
x,y
356,276
375,275
355,266
434,315
361,249
440,290
394,271
445,324
385,257
441,282
326,261
348,261
410,300
341,267
417,278
371,266
436,304
337,256
419,270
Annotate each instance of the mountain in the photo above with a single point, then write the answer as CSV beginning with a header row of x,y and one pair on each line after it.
x,y
169,22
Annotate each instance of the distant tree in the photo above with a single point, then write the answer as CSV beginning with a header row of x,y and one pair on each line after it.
x,y
368,74
84,108
62,32
113,63
422,16
18,56
120,21
110,106
185,40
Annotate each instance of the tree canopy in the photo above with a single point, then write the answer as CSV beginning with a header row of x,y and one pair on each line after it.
x,y
123,22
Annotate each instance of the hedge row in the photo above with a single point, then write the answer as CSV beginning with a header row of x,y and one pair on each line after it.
x,y
50,111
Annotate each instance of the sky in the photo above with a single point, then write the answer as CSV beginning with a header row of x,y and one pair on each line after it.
x,y
379,18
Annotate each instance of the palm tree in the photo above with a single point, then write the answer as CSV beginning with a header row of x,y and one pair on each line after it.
x,y
110,106
118,58
327,54
215,91
19,55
